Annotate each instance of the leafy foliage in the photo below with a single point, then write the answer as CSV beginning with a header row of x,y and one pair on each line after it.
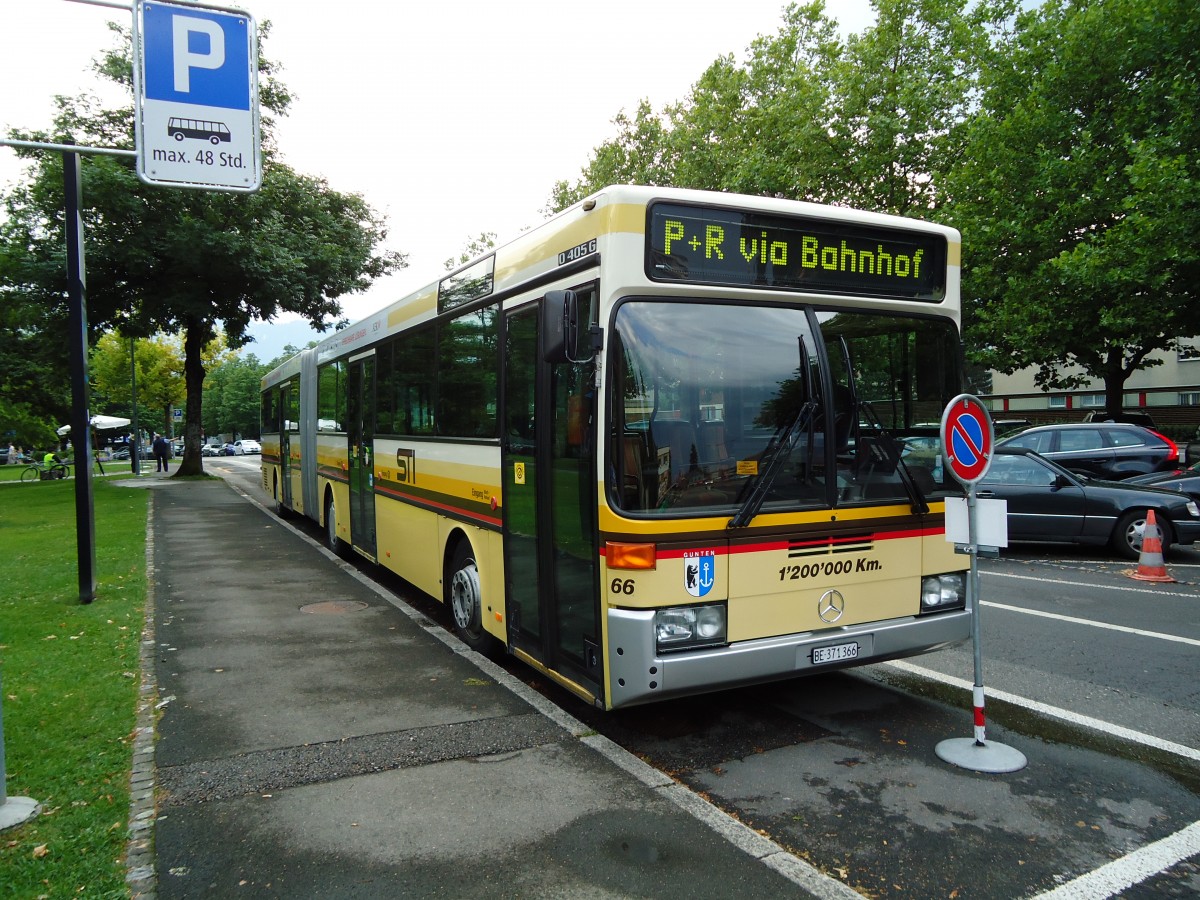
x,y
476,246
159,366
872,122
1078,192
231,396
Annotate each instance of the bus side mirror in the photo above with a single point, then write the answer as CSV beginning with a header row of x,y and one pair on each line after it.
x,y
560,327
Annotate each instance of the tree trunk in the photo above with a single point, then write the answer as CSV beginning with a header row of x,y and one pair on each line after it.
x,y
195,337
1114,382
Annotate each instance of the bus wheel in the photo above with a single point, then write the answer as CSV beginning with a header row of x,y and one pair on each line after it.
x,y
464,599
335,543
280,510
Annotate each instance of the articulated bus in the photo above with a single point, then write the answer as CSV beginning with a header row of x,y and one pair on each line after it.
x,y
668,442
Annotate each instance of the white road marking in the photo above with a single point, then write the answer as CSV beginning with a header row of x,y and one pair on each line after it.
x,y
1075,584
1121,874
1094,624
1120,731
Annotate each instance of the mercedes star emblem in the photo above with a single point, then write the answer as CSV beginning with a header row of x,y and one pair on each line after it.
x,y
831,606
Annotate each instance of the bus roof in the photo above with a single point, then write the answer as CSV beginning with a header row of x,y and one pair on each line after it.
x,y
539,251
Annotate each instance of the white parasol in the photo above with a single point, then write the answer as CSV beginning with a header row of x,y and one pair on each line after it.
x,y
100,423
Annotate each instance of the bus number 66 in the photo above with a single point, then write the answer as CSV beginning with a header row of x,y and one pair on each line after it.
x,y
623,586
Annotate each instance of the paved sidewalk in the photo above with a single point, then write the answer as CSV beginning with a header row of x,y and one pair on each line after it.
x,y
318,740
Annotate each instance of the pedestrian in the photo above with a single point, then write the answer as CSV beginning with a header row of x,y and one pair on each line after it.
x,y
12,454
161,450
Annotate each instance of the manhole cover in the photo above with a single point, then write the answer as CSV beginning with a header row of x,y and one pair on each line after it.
x,y
333,607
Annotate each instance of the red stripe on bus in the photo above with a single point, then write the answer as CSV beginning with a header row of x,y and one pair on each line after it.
x,y
765,546
494,521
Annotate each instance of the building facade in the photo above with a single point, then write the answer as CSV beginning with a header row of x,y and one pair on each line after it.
x,y
1169,393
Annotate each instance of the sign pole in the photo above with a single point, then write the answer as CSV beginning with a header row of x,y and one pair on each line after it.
x,y
81,426
967,440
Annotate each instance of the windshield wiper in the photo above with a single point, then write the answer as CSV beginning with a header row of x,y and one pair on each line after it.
x,y
775,454
780,447
892,455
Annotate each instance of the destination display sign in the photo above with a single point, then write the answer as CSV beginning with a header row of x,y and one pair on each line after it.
x,y
713,245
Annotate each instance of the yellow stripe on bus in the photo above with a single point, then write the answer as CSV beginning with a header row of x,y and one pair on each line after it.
x,y
611,219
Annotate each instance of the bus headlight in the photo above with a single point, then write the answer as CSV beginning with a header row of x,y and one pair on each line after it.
x,y
940,592
687,627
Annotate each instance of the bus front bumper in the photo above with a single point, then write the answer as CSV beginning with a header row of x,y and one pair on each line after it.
x,y
637,674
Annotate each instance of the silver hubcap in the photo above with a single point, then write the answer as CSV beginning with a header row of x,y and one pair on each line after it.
x,y
1136,532
464,596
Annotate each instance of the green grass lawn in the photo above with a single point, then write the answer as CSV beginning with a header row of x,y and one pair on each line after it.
x,y
70,679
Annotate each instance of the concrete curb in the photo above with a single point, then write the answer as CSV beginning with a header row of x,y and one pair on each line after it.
x,y
139,852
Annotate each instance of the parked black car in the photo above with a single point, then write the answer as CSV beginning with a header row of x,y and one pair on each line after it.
x,y
1185,481
1103,449
1048,503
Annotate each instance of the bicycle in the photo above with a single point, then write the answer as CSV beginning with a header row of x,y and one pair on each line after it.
x,y
39,472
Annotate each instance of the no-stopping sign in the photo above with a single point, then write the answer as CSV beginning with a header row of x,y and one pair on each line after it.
x,y
967,438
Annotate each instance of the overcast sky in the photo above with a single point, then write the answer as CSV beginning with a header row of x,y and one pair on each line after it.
x,y
450,117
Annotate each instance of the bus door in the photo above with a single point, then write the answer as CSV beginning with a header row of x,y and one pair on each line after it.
x,y
360,432
549,486
286,397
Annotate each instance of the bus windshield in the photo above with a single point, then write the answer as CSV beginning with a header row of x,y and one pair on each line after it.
x,y
713,402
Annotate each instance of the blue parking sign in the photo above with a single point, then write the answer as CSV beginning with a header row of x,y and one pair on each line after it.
x,y
196,81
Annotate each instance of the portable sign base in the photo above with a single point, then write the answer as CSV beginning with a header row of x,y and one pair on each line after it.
x,y
13,810
967,438
992,758
16,811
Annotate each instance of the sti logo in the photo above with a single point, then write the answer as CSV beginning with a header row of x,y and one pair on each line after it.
x,y
699,571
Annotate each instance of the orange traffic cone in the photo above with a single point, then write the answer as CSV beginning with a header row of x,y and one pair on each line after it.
x,y
1150,564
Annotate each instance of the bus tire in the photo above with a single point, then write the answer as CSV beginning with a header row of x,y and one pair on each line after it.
x,y
332,541
465,599
280,510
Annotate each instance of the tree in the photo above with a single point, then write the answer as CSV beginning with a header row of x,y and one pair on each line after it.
x,y
159,367
904,90
873,122
232,396
168,260
34,393
1078,193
